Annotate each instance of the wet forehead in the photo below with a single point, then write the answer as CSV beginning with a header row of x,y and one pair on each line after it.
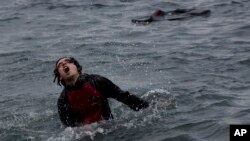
x,y
62,60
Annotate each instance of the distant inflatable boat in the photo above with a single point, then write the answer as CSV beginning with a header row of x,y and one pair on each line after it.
x,y
178,14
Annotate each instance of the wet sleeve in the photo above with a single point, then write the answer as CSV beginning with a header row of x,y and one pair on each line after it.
x,y
64,111
110,90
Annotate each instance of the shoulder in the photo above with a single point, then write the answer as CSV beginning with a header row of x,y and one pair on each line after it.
x,y
99,81
95,77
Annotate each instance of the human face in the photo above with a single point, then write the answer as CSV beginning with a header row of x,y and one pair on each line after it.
x,y
67,69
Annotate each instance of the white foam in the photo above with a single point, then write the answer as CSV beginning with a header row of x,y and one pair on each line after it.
x,y
76,133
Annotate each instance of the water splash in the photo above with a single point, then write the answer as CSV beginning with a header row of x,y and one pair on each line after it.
x,y
160,98
161,101
86,132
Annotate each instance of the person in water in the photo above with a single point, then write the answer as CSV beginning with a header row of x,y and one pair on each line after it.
x,y
84,97
178,14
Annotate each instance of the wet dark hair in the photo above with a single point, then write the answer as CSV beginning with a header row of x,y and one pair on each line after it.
x,y
56,72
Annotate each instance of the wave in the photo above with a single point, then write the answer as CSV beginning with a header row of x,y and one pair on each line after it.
x,y
90,6
13,53
179,137
241,113
52,5
232,3
87,132
9,19
245,62
205,129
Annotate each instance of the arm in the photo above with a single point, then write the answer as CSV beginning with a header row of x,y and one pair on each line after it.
x,y
109,89
64,111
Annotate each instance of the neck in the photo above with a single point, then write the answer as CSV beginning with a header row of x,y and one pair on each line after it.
x,y
71,81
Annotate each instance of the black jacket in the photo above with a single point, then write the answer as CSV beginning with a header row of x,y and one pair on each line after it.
x,y
106,88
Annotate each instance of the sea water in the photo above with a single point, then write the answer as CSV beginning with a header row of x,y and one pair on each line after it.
x,y
194,72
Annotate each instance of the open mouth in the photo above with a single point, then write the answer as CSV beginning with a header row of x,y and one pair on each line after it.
x,y
66,69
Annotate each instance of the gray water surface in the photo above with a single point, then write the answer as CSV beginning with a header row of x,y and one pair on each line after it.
x,y
200,66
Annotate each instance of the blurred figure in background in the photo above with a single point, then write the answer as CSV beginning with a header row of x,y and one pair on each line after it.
x,y
178,14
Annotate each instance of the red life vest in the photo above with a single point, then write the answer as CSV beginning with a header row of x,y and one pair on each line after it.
x,y
86,102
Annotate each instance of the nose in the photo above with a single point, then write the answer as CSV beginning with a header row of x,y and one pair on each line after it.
x,y
62,64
